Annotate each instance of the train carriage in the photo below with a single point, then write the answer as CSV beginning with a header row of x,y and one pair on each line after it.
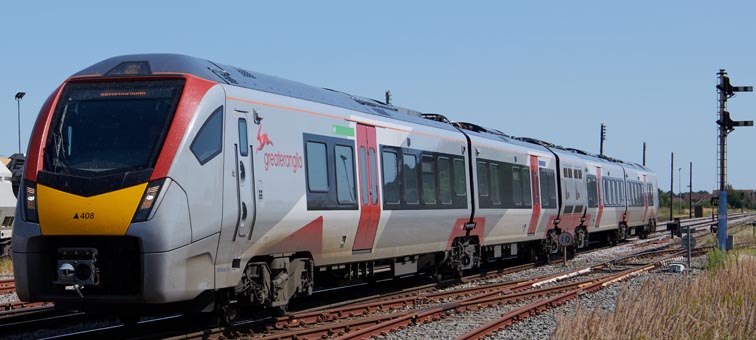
x,y
169,182
7,204
508,196
574,215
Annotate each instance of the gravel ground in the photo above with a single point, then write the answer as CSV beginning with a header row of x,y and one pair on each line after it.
x,y
7,298
540,326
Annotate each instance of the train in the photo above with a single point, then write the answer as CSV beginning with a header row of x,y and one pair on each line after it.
x,y
7,207
167,182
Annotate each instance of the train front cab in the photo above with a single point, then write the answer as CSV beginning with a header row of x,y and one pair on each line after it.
x,y
104,219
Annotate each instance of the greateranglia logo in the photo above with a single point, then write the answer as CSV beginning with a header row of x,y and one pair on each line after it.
x,y
277,159
281,160
263,139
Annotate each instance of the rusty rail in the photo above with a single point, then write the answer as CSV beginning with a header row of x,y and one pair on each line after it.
x,y
7,286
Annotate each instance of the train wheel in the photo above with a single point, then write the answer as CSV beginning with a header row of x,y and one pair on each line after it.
x,y
581,238
641,233
612,237
553,243
228,314
279,310
5,250
622,233
129,320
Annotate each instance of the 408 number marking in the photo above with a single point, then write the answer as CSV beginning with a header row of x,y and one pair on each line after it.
x,y
88,215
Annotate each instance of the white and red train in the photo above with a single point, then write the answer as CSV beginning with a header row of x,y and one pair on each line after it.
x,y
169,181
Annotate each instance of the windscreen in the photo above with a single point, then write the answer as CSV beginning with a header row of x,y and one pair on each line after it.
x,y
106,128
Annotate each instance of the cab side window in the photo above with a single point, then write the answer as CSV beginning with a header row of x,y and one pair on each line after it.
x,y
209,140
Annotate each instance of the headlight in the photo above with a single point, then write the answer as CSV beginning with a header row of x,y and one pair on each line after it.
x,y
148,200
30,202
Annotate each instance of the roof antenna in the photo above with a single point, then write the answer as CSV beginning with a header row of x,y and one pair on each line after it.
x,y
388,97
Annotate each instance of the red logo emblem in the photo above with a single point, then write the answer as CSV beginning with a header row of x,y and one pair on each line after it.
x,y
263,139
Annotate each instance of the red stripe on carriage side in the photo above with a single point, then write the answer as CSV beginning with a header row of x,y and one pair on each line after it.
x,y
194,90
568,222
39,136
459,230
600,187
536,195
307,238
645,199
370,209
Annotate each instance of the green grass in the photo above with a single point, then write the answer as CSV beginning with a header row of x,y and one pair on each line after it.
x,y
715,259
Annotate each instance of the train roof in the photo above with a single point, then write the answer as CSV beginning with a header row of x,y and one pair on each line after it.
x,y
236,76
585,155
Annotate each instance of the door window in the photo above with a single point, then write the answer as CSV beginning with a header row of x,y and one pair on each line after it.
x,y
243,143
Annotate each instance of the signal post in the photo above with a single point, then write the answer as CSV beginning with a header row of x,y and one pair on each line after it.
x,y
726,125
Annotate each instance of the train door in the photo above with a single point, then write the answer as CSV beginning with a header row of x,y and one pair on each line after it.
x,y
568,186
244,176
370,209
600,197
535,186
581,192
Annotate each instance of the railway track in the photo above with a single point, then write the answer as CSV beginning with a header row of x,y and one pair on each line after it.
x,y
7,286
424,303
386,314
365,320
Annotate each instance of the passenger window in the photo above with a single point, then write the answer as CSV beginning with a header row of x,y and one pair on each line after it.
x,y
544,188
209,140
317,167
390,178
429,180
525,178
552,189
621,186
592,191
243,144
483,179
459,178
495,190
516,188
344,174
410,179
613,188
548,189
444,179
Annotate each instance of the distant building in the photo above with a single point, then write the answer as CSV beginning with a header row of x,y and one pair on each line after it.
x,y
698,198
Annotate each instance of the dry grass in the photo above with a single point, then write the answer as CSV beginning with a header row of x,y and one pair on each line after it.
x,y
720,304
6,266
663,212
743,233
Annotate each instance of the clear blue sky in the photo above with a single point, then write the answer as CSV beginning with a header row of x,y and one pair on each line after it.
x,y
552,70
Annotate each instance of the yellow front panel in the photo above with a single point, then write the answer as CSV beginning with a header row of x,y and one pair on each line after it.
x,y
61,213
